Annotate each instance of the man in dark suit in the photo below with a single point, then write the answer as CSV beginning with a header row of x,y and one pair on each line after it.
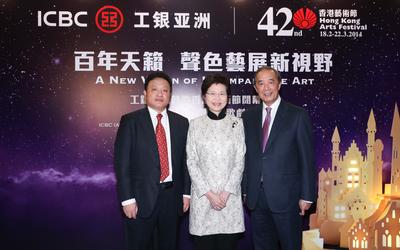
x,y
279,182
150,166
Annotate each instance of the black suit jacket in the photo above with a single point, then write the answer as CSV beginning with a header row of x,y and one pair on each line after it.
x,y
287,165
137,164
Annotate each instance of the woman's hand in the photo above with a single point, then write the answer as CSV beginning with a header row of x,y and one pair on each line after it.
x,y
224,195
215,200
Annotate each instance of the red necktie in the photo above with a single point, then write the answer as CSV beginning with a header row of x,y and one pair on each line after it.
x,y
265,128
162,148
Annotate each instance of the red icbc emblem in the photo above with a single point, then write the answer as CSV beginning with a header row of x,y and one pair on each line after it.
x,y
304,19
109,19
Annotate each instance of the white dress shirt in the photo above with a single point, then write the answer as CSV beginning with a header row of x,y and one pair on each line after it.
x,y
274,109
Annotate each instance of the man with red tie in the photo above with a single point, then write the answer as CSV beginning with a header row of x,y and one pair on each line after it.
x,y
279,179
150,165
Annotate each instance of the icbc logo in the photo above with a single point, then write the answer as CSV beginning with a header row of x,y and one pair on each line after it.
x,y
60,19
109,19
303,19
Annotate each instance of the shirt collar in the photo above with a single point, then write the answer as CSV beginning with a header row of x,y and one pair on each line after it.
x,y
154,113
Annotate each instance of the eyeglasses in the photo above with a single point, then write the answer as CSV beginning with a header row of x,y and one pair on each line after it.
x,y
213,94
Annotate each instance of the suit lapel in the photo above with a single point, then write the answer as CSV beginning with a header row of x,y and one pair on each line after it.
x,y
279,119
148,129
258,124
172,131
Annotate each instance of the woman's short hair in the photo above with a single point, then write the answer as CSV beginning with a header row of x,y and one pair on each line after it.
x,y
214,79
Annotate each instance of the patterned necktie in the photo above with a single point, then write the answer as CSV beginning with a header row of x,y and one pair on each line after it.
x,y
162,148
265,128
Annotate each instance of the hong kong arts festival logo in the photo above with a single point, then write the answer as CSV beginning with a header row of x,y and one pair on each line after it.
x,y
304,18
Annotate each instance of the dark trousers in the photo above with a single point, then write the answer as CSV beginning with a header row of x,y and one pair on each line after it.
x,y
216,242
159,231
274,231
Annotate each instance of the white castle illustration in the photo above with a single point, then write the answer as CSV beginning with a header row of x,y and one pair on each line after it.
x,y
353,209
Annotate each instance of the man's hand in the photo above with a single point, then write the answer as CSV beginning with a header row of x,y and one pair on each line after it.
x,y
130,210
304,206
216,202
224,195
186,204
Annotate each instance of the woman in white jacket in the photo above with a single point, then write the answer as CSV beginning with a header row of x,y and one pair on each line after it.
x,y
215,158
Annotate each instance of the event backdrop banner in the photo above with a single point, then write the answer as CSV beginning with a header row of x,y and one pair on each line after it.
x,y
70,69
